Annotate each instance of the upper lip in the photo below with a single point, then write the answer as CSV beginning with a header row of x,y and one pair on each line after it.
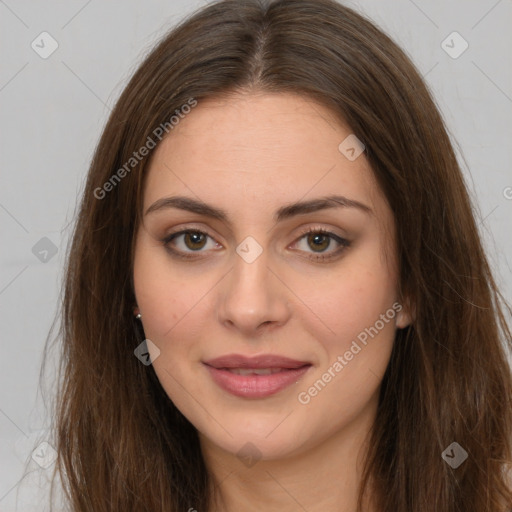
x,y
261,361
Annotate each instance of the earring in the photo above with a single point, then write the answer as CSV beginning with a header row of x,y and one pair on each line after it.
x,y
138,317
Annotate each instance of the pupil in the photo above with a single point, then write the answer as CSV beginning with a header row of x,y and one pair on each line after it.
x,y
195,240
318,237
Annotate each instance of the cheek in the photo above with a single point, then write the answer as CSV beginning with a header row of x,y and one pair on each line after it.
x,y
346,303
163,296
168,305
361,317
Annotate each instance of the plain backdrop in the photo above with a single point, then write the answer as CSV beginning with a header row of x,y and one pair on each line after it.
x,y
53,110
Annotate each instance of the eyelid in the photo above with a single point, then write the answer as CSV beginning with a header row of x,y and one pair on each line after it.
x,y
321,229
188,229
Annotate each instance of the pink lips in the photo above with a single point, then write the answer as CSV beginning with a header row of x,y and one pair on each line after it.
x,y
255,377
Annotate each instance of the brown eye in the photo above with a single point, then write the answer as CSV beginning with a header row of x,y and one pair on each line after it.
x,y
318,241
194,240
187,242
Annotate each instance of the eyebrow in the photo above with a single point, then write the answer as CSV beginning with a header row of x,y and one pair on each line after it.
x,y
285,212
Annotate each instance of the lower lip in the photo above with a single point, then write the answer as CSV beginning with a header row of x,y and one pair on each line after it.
x,y
256,386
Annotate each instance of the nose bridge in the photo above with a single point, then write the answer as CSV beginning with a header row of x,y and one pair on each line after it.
x,y
251,295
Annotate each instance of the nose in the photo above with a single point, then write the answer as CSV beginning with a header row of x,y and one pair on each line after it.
x,y
252,299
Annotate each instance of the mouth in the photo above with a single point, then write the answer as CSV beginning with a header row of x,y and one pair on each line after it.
x,y
255,377
254,371
263,361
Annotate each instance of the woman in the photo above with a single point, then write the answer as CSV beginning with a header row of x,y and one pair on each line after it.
x,y
276,295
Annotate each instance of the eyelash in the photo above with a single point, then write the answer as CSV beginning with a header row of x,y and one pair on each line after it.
x,y
316,257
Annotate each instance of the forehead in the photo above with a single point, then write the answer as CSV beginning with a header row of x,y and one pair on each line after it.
x,y
255,151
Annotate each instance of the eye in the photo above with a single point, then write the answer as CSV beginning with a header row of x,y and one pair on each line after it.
x,y
183,243
320,240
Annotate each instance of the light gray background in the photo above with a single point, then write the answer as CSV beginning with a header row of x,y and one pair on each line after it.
x,y
53,111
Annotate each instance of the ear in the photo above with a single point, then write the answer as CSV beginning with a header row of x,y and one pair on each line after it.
x,y
406,313
136,310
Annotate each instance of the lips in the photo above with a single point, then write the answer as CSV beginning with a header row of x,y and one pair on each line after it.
x,y
255,377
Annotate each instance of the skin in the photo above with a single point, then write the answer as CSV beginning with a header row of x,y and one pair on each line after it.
x,y
250,154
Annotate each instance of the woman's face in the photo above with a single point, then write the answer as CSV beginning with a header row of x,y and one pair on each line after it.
x,y
315,314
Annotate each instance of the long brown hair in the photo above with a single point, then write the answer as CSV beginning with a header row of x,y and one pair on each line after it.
x,y
122,445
